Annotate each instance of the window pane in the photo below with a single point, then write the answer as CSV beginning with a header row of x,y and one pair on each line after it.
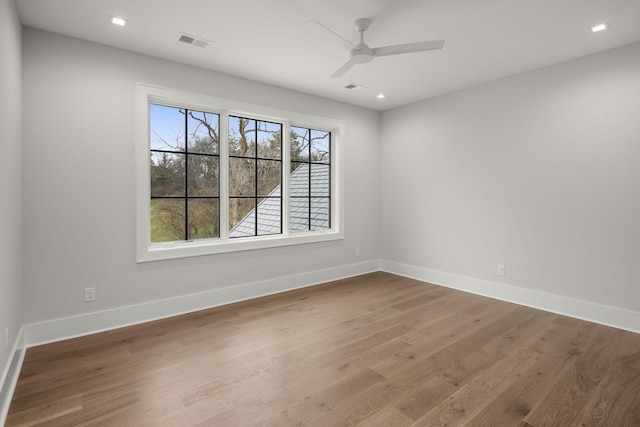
x,y
299,179
167,220
203,132
319,213
269,140
269,216
166,128
203,175
299,143
242,137
242,217
320,142
167,174
203,218
320,178
268,177
310,180
299,215
242,177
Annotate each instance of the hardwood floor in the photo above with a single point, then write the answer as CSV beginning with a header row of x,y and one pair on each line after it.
x,y
374,350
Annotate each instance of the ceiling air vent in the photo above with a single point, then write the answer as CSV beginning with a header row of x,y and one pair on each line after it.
x,y
194,41
353,86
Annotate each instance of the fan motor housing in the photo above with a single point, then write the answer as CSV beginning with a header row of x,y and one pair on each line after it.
x,y
362,55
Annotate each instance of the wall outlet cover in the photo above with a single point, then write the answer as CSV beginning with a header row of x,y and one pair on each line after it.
x,y
502,270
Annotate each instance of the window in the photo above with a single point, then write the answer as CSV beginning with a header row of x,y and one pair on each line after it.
x,y
255,170
218,176
310,181
184,174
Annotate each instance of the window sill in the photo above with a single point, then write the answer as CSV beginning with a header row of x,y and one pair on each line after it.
x,y
175,250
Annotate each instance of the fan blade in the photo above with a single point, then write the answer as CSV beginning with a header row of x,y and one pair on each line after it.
x,y
408,48
346,67
334,33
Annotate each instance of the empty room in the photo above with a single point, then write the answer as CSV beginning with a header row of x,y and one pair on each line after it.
x,y
320,213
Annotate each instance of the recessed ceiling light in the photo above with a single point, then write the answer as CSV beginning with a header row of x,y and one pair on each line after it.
x,y
117,21
599,27
380,96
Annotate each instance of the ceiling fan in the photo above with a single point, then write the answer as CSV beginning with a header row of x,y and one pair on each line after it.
x,y
361,53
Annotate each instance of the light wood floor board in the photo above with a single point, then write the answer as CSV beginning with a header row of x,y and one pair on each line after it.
x,y
373,350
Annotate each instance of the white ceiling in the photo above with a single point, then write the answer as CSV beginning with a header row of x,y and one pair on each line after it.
x,y
271,41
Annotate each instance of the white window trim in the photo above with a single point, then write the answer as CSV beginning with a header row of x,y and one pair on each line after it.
x,y
146,251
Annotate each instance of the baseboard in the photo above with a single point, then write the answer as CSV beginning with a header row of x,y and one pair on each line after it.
x,y
85,324
585,310
10,375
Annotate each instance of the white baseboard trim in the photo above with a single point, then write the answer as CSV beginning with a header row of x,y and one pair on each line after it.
x,y
89,323
10,375
585,310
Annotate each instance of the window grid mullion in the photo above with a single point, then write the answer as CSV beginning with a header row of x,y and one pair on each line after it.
x,y
223,182
330,174
186,175
309,166
255,177
285,168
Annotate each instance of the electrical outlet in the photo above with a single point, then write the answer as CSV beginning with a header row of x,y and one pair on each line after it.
x,y
89,294
6,338
357,251
502,270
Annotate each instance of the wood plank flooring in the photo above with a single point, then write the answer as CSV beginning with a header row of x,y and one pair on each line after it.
x,y
374,350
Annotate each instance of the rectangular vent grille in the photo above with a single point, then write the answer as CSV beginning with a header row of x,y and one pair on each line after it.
x,y
193,41
186,39
353,86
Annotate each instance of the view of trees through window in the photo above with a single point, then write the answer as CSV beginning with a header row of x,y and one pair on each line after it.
x,y
310,181
184,169
185,176
255,170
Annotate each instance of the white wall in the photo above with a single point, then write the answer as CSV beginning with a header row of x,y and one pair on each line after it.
x,y
540,172
10,177
79,186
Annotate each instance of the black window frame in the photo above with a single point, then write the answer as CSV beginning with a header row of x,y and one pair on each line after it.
x,y
257,196
310,196
187,154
